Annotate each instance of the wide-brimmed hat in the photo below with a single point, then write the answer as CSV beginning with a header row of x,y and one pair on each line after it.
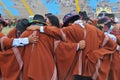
x,y
38,19
70,17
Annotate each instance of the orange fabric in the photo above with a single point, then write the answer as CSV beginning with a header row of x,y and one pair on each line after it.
x,y
38,62
64,56
10,68
12,33
94,22
115,65
92,52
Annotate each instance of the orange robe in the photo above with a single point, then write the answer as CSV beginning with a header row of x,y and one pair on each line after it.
x,y
12,72
115,65
94,22
5,43
91,54
39,60
12,33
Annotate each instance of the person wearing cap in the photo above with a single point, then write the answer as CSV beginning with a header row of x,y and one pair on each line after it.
x,y
108,28
44,54
38,58
84,17
16,41
69,19
63,48
85,61
13,34
114,22
6,44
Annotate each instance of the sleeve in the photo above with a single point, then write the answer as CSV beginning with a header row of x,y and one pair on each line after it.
x,y
107,47
6,42
65,54
20,42
118,39
55,32
113,37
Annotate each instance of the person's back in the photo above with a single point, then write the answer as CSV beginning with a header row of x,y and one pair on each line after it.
x,y
38,58
93,50
97,45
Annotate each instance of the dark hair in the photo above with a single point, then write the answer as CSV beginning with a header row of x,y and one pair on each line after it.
x,y
22,24
102,15
110,15
83,15
105,21
69,18
108,24
54,20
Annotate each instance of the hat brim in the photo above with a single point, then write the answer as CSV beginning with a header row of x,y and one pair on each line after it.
x,y
75,17
37,21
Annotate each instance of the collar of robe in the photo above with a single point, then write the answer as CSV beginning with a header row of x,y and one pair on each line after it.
x,y
80,23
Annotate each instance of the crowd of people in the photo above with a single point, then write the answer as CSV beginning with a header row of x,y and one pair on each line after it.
x,y
80,48
7,22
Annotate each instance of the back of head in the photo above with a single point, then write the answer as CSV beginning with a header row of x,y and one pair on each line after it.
x,y
83,15
70,18
54,20
22,24
106,21
101,15
109,15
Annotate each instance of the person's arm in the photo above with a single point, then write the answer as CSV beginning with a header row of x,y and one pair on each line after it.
x,y
113,37
20,41
49,30
24,41
11,42
108,46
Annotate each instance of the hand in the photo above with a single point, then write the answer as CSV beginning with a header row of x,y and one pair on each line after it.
x,y
82,44
34,27
33,39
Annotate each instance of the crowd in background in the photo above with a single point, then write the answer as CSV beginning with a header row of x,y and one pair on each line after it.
x,y
79,48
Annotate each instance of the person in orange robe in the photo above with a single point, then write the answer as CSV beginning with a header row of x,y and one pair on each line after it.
x,y
97,46
7,58
113,30
39,61
52,20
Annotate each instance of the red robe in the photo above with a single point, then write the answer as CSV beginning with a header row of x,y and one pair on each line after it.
x,y
115,65
12,33
91,54
5,43
12,72
39,59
